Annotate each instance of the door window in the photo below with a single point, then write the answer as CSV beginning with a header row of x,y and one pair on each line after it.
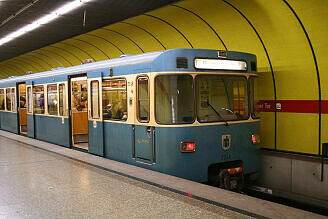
x,y
29,99
95,99
143,100
8,99
62,100
2,99
52,99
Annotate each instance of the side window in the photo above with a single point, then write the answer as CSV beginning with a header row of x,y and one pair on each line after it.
x,y
2,99
38,99
8,99
143,100
114,97
22,96
13,99
52,99
62,100
95,99
29,100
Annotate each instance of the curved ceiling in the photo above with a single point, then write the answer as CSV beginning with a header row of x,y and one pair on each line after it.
x,y
287,36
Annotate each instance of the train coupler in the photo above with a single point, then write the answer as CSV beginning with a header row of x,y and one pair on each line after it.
x,y
232,179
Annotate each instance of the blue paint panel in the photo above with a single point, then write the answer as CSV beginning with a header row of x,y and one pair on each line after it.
x,y
97,74
52,130
55,79
132,69
193,166
144,142
9,122
118,141
9,84
30,125
96,138
208,140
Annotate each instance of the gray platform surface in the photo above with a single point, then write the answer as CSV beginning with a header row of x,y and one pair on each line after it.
x,y
42,180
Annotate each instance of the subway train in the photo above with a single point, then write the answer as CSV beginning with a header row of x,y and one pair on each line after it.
x,y
184,112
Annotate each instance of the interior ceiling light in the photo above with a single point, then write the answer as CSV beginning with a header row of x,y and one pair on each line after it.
x,y
44,20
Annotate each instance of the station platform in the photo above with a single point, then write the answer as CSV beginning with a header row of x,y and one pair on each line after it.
x,y
42,180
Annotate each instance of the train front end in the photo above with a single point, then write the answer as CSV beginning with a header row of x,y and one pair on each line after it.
x,y
208,127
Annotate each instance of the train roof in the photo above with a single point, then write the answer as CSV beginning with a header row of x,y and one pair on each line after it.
x,y
111,63
130,60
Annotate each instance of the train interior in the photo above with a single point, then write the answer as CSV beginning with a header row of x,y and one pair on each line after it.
x,y
22,110
79,109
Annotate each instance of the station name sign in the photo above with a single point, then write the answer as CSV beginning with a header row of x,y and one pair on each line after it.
x,y
220,64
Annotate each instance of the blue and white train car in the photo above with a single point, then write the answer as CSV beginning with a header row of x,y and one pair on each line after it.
x,y
184,112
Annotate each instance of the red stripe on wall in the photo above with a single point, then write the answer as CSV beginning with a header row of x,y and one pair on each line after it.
x,y
293,106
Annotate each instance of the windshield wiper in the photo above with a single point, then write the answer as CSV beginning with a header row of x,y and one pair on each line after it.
x,y
217,113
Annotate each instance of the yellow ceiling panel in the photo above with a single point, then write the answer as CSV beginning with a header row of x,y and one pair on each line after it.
x,y
166,34
287,47
91,50
60,61
65,52
140,36
9,70
34,59
106,46
77,52
34,67
22,68
124,44
194,29
43,58
313,16
56,55
38,66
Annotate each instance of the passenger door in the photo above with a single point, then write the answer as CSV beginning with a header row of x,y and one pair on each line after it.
x,y
144,142
96,130
30,115
22,108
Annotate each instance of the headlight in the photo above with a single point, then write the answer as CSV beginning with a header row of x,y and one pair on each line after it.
x,y
187,146
255,139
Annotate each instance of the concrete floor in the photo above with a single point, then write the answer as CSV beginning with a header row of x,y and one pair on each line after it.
x,y
40,184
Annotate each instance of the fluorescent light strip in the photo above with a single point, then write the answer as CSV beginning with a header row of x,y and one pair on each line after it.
x,y
44,20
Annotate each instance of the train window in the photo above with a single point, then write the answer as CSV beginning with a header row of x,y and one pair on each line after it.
x,y
143,99
22,96
221,98
2,99
38,99
114,97
8,99
253,97
29,99
95,99
52,99
174,99
13,99
62,101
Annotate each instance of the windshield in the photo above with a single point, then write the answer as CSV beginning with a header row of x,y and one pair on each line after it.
x,y
221,98
174,99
